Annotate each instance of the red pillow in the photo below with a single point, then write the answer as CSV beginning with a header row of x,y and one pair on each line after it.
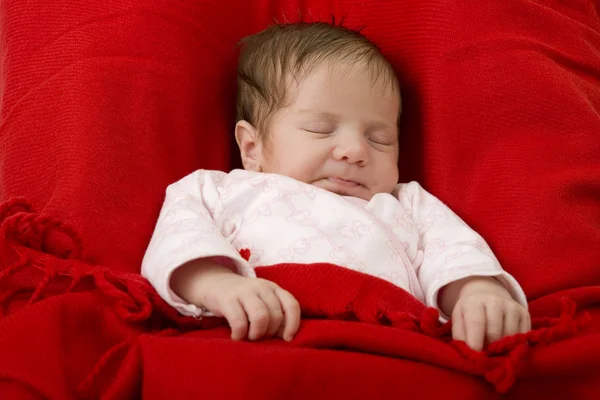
x,y
105,104
512,135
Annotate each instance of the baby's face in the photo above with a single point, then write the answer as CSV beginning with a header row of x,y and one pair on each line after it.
x,y
340,133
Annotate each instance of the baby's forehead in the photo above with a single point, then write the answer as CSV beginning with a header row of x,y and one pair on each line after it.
x,y
335,93
342,64
382,77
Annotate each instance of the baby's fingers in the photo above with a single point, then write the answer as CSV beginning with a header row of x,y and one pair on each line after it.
x,y
236,317
458,325
511,323
291,312
275,312
494,315
516,320
525,322
474,316
258,315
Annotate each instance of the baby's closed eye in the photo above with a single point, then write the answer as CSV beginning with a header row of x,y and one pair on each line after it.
x,y
319,129
382,138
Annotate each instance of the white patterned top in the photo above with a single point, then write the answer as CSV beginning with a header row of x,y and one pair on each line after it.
x,y
408,237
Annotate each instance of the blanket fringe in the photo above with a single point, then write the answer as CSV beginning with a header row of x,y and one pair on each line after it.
x,y
135,300
62,265
64,271
430,325
21,225
12,206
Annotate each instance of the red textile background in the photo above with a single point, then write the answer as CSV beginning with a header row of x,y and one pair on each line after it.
x,y
104,103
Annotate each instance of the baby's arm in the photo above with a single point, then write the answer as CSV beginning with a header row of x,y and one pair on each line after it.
x,y
198,271
461,276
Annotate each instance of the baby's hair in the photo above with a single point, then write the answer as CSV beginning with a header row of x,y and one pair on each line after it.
x,y
271,58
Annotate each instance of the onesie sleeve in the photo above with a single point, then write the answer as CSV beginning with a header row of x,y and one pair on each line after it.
x,y
186,230
451,249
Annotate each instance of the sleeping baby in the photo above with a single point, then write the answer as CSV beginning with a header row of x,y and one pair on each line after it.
x,y
318,111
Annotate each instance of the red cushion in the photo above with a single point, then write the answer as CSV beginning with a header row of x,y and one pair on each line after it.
x,y
512,135
104,104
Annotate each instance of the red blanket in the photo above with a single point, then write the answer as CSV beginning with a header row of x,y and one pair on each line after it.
x,y
73,329
104,103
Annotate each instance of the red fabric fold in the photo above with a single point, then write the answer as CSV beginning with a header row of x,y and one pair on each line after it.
x,y
97,322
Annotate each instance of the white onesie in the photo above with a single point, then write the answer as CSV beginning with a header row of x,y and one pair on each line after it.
x,y
408,237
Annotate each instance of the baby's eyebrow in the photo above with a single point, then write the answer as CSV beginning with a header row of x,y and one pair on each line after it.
x,y
381,125
318,113
377,124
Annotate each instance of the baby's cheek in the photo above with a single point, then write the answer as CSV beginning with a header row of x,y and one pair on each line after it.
x,y
387,182
391,176
304,166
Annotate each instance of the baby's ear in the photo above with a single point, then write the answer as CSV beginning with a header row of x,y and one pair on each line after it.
x,y
248,141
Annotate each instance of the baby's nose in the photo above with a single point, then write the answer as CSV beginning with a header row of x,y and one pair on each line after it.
x,y
352,149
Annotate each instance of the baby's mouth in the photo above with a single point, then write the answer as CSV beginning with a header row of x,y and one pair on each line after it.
x,y
343,182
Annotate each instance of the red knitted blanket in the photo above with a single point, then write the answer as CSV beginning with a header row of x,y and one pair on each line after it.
x,y
72,329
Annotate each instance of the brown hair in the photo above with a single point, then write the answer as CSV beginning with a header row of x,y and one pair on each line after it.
x,y
270,58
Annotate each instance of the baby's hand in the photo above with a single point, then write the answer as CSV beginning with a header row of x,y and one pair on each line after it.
x,y
254,308
485,312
